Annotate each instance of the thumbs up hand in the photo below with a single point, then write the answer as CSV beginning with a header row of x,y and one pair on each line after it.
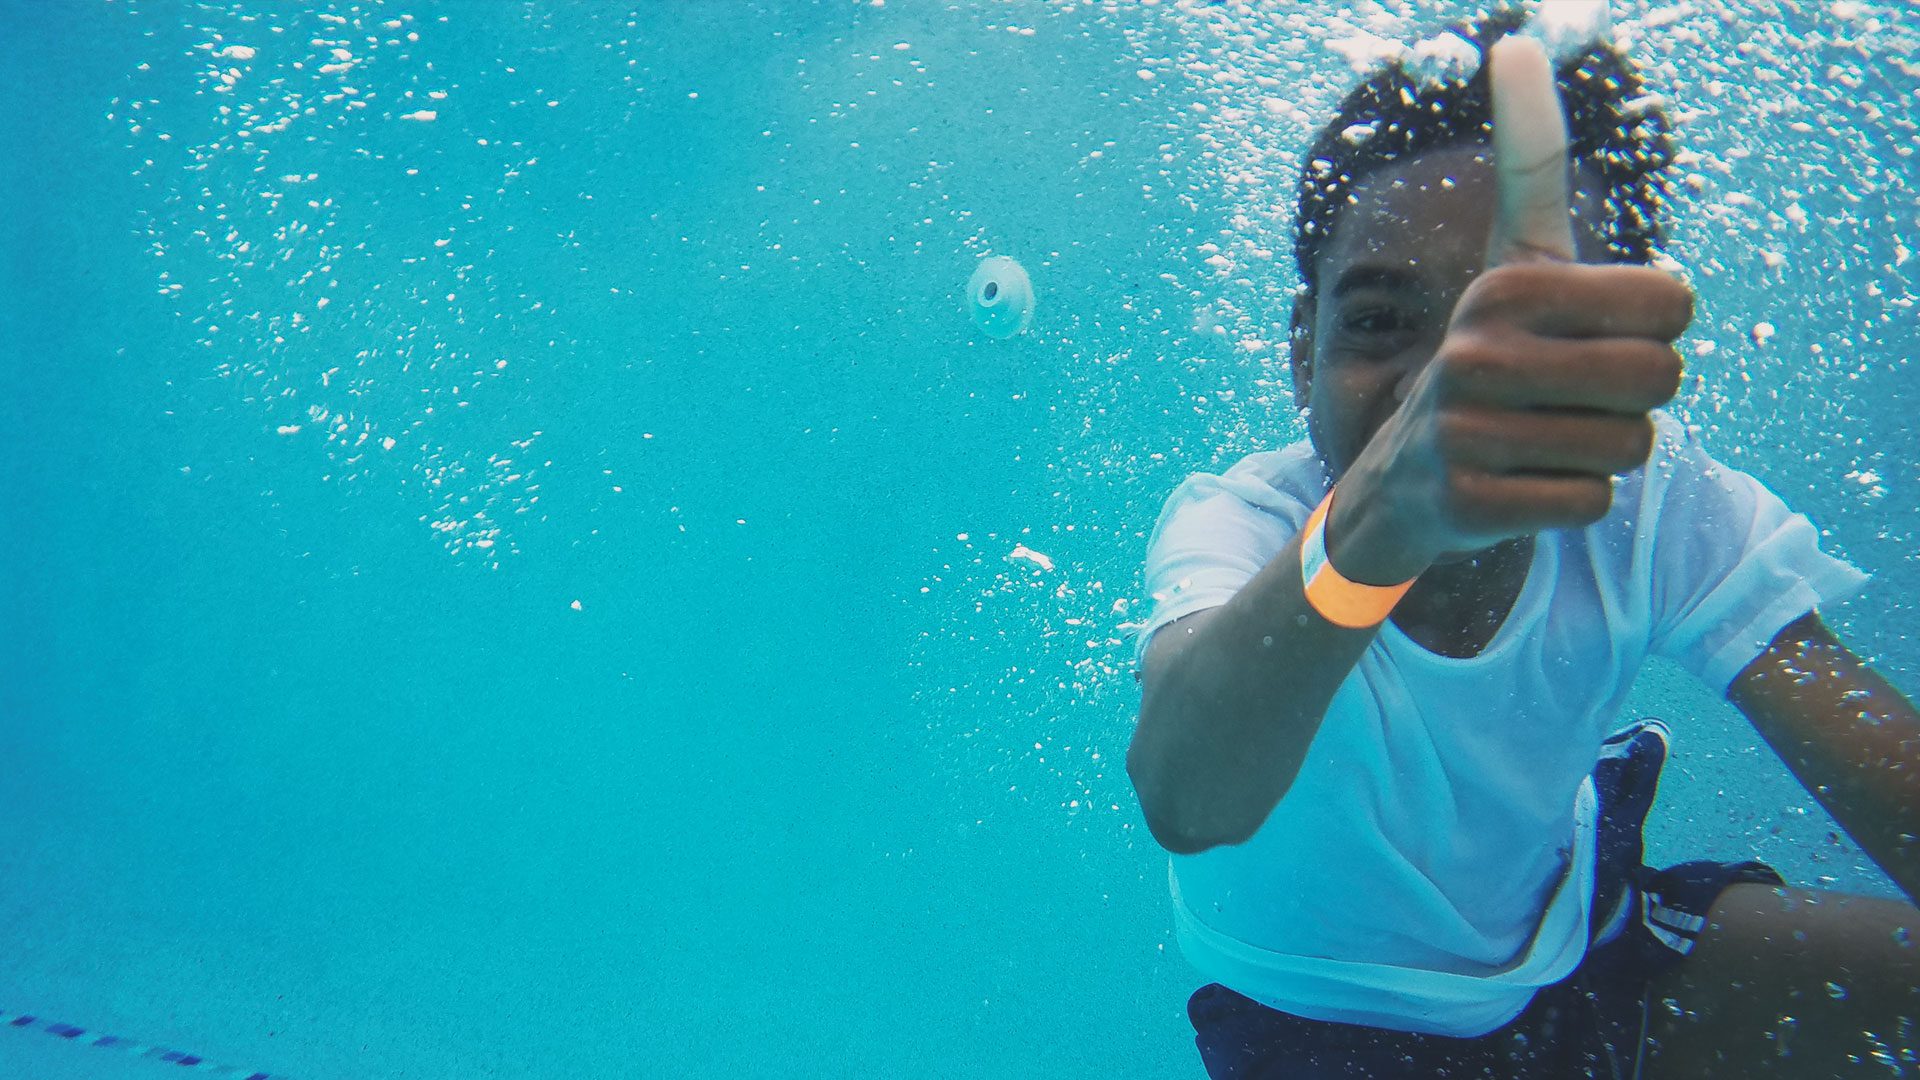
x,y
1515,412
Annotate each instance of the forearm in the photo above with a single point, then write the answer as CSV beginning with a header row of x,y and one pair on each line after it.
x,y
1849,736
1232,699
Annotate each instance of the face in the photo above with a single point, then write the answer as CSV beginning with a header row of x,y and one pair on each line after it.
x,y
1399,257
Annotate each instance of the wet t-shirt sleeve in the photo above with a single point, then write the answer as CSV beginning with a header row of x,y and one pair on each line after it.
x,y
1731,564
1217,532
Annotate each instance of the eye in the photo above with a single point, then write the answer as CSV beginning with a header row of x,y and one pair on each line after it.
x,y
1375,320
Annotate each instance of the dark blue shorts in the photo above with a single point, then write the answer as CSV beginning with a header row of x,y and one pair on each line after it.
x,y
1591,1024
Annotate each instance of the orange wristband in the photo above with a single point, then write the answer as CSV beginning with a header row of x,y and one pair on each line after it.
x,y
1339,601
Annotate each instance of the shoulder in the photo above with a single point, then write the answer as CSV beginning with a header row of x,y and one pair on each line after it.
x,y
1235,520
1281,482
1219,529
1292,467
1670,515
1683,480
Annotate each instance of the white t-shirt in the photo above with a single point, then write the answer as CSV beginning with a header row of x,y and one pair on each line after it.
x,y
1432,864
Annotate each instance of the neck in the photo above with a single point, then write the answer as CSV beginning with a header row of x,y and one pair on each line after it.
x,y
1456,607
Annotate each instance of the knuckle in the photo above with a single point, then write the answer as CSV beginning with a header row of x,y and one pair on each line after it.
x,y
1591,499
1654,374
1497,290
1467,506
1454,433
1663,365
1665,302
1629,443
1474,362
1456,370
1459,488
1672,371
1640,445
1678,307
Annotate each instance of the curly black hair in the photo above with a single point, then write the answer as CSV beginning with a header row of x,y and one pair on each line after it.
x,y
1613,125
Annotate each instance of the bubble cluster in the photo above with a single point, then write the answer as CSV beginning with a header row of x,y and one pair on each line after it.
x,y
344,297
1051,720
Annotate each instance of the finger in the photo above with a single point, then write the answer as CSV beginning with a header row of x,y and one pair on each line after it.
x,y
1597,444
1573,300
1524,371
1531,220
1499,505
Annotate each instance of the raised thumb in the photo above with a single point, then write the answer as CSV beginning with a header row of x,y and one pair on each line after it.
x,y
1532,219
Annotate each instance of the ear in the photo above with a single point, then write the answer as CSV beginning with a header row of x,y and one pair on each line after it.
x,y
1300,349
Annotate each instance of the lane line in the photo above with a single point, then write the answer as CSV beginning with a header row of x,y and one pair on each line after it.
x,y
138,1049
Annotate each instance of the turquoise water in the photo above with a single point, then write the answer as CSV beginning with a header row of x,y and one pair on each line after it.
x,y
531,590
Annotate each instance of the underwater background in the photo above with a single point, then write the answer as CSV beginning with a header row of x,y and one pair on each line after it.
x,y
517,563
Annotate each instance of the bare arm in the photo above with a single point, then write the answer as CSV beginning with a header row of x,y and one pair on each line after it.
x,y
1231,698
1847,734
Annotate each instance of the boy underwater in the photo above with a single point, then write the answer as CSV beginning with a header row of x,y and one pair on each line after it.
x,y
1384,665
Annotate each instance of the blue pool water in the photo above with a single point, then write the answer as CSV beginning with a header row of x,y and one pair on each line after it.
x,y
519,565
